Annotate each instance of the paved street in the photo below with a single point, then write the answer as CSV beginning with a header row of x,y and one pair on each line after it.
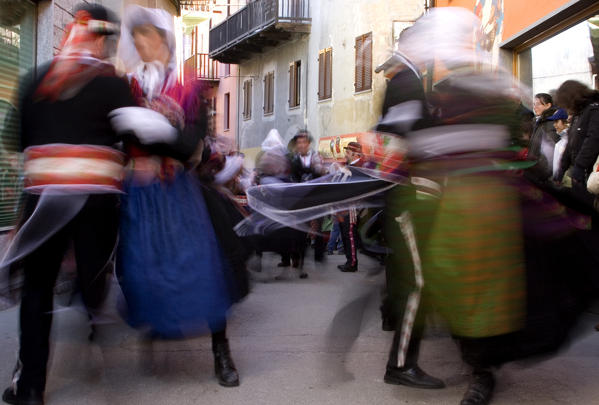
x,y
287,353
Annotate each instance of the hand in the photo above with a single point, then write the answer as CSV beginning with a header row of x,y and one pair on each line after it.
x,y
148,125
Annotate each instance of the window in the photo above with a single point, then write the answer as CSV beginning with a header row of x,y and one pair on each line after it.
x,y
570,55
227,69
269,92
247,99
17,56
226,113
295,78
325,73
363,78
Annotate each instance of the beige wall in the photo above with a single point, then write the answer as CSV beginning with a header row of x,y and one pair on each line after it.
x,y
336,24
227,85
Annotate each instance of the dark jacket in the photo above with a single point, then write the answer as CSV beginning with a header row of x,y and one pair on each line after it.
x,y
403,87
583,142
82,119
299,173
543,133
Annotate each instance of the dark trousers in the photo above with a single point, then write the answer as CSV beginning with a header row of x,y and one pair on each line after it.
x,y
93,232
351,239
398,306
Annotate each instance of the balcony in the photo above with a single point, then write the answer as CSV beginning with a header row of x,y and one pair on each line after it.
x,y
200,67
260,24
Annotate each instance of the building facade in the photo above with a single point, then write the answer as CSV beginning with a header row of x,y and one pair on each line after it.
x,y
310,64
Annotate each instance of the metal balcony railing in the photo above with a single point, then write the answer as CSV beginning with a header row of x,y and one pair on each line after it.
x,y
256,17
200,66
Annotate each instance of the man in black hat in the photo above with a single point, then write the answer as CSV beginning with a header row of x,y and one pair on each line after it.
x,y
306,164
67,107
348,220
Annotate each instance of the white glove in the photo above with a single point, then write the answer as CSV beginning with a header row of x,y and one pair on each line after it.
x,y
148,125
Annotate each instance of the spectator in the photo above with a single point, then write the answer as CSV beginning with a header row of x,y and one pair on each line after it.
x,y
560,123
543,138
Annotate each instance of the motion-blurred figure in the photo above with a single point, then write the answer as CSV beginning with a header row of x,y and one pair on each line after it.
x,y
306,165
460,220
405,108
68,142
348,221
175,275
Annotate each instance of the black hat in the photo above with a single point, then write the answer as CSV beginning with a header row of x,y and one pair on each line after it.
x,y
302,133
106,22
354,147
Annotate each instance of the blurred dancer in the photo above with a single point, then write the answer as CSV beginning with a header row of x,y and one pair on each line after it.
x,y
462,224
68,142
405,107
274,168
348,221
174,274
307,165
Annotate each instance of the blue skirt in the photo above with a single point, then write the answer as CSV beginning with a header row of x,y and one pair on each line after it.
x,y
169,262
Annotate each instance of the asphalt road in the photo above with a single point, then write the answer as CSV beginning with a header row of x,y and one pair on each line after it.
x,y
312,341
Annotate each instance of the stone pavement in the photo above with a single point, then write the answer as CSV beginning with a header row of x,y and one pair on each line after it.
x,y
287,353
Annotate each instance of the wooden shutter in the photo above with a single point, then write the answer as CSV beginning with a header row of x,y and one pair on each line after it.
x,y
245,99
294,83
358,83
226,112
265,104
298,82
367,45
269,93
329,73
249,107
321,74
272,91
291,100
363,72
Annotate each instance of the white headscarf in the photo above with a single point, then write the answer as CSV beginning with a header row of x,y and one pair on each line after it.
x,y
273,141
233,164
151,76
445,34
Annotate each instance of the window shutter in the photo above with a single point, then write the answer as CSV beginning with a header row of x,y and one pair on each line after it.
x,y
368,61
265,93
329,73
291,85
358,84
272,92
249,110
321,93
298,83
226,114
245,99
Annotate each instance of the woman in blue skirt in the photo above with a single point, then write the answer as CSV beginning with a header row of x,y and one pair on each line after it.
x,y
175,277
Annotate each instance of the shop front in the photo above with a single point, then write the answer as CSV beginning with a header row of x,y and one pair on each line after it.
x,y
543,42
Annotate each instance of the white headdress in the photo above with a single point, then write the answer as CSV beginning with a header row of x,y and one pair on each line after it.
x,y
153,75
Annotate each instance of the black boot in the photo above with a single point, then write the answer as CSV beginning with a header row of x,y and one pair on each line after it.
x,y
29,397
224,368
480,389
410,374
